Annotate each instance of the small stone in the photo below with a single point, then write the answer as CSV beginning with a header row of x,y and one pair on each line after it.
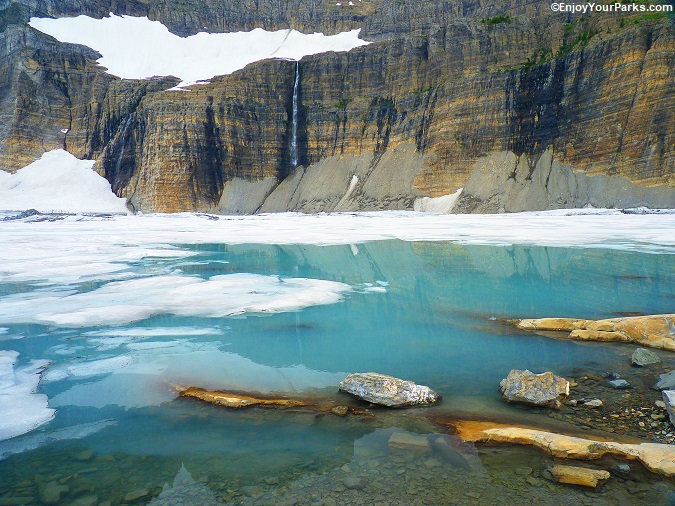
x,y
253,491
660,404
88,500
353,482
50,493
578,475
85,455
619,384
621,470
531,480
327,501
272,481
593,403
137,495
340,410
643,356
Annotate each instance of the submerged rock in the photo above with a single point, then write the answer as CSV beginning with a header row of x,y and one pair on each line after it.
x,y
593,403
443,446
50,493
643,356
545,389
409,441
578,475
666,381
669,400
387,390
621,470
619,384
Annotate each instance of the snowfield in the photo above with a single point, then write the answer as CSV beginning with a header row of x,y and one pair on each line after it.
x,y
137,48
59,183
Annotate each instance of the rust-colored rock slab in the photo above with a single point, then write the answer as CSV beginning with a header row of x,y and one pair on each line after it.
x,y
653,331
581,476
658,458
237,400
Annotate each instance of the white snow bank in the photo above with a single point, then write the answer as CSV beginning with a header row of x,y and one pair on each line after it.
x,y
441,205
21,409
59,182
94,248
133,300
137,48
594,228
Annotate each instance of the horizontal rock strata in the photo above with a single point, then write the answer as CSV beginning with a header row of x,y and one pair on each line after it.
x,y
570,110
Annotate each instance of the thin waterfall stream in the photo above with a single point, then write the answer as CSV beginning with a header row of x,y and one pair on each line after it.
x,y
294,119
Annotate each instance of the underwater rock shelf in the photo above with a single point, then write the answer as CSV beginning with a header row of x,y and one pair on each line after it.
x,y
658,458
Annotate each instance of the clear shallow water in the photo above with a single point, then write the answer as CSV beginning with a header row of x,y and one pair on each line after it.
x,y
417,310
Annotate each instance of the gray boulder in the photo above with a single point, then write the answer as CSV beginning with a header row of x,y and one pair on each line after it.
x,y
387,390
666,381
669,399
643,356
545,389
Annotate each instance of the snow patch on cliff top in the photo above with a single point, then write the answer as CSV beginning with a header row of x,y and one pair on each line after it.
x,y
137,48
58,182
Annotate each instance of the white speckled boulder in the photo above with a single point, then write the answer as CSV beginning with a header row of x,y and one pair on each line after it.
x,y
387,390
543,389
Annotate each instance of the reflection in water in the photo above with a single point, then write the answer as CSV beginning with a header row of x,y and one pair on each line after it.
x,y
420,311
185,490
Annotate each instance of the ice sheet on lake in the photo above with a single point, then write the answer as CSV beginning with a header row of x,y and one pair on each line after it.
x,y
21,409
59,182
137,48
133,300
84,369
35,440
104,340
141,332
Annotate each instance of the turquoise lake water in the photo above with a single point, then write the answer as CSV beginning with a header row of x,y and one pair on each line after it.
x,y
424,311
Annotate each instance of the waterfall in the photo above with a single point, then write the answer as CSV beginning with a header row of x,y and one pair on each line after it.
x,y
294,119
127,124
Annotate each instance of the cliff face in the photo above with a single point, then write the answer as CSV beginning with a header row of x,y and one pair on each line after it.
x,y
444,85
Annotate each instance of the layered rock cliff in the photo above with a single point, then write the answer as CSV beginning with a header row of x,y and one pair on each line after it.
x,y
444,85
